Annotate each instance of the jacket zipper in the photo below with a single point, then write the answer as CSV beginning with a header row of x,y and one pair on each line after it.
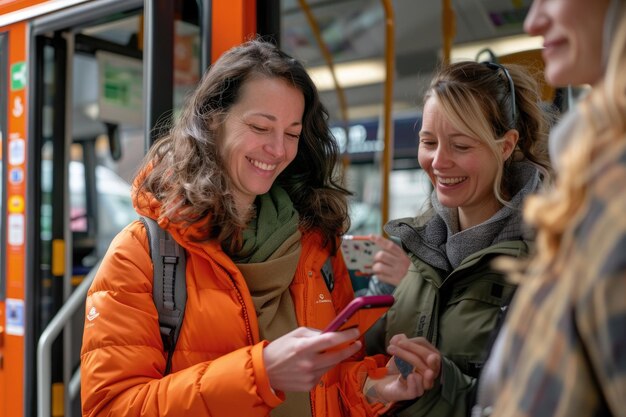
x,y
243,304
434,314
310,275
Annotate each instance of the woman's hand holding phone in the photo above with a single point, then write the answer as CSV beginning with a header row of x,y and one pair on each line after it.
x,y
415,355
361,313
411,371
358,254
297,360
390,262
374,254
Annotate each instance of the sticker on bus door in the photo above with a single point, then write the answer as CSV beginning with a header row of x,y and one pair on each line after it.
x,y
16,229
15,316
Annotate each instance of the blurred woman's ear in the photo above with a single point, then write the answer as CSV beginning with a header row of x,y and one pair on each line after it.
x,y
508,143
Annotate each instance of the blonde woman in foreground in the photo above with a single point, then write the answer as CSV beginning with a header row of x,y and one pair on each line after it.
x,y
562,351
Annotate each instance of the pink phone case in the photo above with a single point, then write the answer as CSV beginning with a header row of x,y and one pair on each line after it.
x,y
362,312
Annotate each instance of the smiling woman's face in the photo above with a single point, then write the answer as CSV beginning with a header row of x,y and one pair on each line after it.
x,y
259,138
462,169
572,31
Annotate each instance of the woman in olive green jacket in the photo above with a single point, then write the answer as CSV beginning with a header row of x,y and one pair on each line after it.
x,y
482,143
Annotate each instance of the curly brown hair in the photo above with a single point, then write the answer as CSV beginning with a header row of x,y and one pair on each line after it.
x,y
184,170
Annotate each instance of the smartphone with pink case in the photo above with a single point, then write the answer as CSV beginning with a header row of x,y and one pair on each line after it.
x,y
362,312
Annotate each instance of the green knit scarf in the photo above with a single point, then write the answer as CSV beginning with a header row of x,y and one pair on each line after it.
x,y
275,221
268,261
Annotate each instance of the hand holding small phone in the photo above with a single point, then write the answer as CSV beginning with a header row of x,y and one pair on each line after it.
x,y
358,253
403,366
422,358
391,262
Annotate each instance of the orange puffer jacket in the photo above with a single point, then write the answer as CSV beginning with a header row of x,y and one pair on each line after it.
x,y
217,367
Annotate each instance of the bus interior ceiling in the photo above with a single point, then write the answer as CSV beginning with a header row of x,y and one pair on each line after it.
x,y
354,32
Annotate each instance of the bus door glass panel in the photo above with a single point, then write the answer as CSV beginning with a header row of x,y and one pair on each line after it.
x,y
106,130
47,170
108,119
107,134
109,116
187,65
46,181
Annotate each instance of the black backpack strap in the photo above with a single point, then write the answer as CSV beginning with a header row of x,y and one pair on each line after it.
x,y
169,289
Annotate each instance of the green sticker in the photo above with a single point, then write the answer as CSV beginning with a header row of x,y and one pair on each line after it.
x,y
18,76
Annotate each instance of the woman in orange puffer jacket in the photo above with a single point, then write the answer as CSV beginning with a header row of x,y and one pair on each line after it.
x,y
244,182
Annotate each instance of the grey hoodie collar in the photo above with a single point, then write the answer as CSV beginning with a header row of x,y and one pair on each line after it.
x,y
435,239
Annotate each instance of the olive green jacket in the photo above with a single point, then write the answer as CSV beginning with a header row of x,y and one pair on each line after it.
x,y
457,313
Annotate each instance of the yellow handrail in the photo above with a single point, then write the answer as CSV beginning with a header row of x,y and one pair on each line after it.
x,y
387,111
343,106
448,27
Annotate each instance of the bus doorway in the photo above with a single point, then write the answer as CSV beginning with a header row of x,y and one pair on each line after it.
x,y
74,124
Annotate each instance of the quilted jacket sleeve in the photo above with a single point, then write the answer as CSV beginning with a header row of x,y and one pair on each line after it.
x,y
122,358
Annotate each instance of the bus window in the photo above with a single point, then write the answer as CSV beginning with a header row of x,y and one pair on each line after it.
x,y
409,196
108,85
114,207
410,187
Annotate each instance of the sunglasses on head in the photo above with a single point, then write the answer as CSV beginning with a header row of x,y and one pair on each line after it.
x,y
497,67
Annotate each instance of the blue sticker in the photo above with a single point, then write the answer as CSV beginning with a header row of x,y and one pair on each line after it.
x,y
16,175
15,316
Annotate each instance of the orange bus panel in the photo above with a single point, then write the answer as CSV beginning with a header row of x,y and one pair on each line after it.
x,y
14,326
233,22
8,6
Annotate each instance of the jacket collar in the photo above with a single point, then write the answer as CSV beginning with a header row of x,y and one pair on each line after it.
x,y
432,239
